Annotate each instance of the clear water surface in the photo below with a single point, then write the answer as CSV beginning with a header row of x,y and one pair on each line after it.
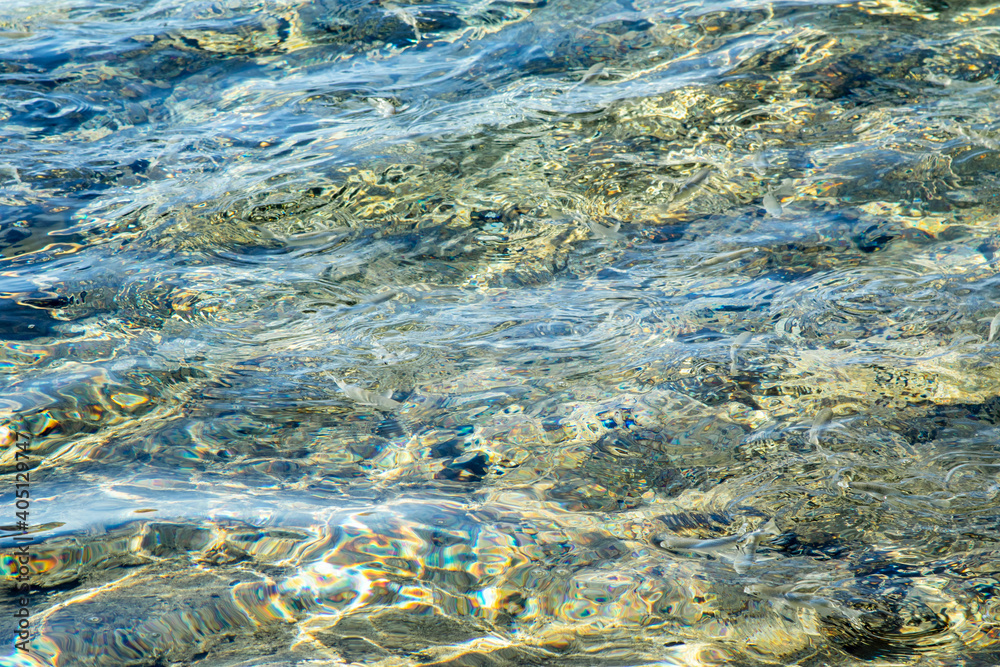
x,y
501,332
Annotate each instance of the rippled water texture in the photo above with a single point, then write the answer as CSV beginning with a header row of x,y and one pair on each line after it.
x,y
500,332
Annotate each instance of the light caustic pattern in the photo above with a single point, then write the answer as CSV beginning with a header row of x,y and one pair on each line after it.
x,y
488,567
513,580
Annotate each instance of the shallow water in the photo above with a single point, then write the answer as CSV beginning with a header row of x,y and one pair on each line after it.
x,y
500,332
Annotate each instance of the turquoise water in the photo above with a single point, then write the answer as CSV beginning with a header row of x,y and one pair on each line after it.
x,y
499,333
